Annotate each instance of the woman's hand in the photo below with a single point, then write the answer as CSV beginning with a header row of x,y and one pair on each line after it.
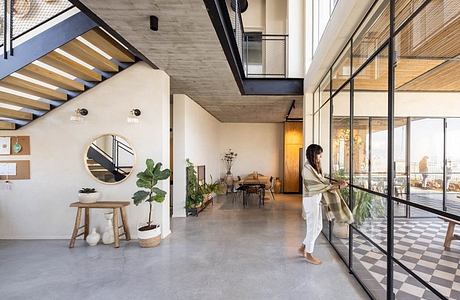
x,y
342,184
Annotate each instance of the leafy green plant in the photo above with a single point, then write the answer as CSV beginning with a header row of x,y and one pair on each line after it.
x,y
87,191
365,206
147,180
208,188
194,191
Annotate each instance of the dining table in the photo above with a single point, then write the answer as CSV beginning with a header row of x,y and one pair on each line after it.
x,y
250,186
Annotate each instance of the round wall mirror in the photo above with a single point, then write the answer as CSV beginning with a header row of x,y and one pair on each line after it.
x,y
110,159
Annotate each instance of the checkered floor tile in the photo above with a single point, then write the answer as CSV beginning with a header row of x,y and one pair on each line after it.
x,y
419,246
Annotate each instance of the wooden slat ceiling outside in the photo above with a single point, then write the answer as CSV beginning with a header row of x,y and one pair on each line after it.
x,y
428,51
34,85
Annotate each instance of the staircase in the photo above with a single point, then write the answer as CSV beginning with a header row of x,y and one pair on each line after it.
x,y
40,77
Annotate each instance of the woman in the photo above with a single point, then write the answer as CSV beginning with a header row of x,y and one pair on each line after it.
x,y
316,187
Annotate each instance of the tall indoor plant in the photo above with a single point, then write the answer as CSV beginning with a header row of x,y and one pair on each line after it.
x,y
194,197
149,235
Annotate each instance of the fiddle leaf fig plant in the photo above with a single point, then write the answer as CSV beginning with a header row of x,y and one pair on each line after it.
x,y
147,180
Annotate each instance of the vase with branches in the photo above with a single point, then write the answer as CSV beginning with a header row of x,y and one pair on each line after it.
x,y
228,159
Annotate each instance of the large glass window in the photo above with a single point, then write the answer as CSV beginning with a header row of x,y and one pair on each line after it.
x,y
324,136
341,70
453,165
426,150
341,135
371,34
426,164
370,105
325,88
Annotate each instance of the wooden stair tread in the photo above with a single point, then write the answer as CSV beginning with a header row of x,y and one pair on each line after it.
x,y
90,56
14,114
106,43
5,125
67,65
25,86
22,101
47,76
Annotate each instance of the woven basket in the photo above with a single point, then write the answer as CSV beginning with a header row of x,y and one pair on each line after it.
x,y
150,243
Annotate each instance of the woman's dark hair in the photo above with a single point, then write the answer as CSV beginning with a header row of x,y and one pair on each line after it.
x,y
312,152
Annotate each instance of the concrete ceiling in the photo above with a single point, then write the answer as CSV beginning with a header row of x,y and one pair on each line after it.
x,y
186,47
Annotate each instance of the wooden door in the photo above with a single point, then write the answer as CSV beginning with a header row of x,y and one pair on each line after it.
x,y
293,141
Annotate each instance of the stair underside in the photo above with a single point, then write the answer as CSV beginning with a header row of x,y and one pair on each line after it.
x,y
60,76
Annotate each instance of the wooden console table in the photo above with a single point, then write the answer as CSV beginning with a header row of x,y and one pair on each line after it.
x,y
115,205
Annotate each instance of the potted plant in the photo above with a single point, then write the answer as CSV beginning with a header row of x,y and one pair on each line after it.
x,y
149,234
195,196
212,188
88,195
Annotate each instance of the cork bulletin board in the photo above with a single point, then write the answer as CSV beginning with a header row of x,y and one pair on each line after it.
x,y
22,141
16,169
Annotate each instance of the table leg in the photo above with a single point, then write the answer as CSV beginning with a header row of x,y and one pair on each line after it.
x,y
86,222
115,228
75,228
449,234
124,220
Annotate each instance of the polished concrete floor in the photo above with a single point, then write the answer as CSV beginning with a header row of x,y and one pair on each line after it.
x,y
226,253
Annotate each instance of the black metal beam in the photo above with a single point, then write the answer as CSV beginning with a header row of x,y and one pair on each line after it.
x,y
273,86
45,42
222,25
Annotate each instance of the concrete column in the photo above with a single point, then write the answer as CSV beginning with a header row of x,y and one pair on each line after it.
x,y
179,145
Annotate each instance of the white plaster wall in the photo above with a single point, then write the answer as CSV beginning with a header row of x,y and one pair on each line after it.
x,y
254,16
275,16
39,207
196,137
295,19
259,147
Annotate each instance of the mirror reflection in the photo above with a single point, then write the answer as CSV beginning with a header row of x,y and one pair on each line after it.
x,y
110,158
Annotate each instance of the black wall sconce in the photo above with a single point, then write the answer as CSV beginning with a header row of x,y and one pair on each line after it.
x,y
79,114
133,116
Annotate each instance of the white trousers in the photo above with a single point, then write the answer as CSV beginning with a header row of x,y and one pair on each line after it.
x,y
313,216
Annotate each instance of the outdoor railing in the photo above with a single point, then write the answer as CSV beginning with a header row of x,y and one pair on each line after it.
x,y
19,17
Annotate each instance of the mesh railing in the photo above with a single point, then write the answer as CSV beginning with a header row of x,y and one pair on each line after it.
x,y
27,15
264,55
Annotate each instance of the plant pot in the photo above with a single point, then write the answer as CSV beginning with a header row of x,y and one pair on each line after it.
x,y
149,238
340,230
88,197
196,205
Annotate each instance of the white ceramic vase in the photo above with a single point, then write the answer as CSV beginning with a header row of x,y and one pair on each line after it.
x,y
107,236
89,197
93,238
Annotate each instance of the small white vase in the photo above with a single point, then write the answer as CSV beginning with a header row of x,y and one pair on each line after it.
x,y
93,238
108,236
